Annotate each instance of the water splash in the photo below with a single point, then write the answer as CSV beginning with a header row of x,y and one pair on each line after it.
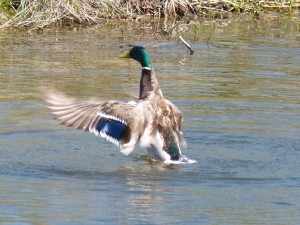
x,y
183,160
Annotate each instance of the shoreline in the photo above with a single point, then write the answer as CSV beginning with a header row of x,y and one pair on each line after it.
x,y
36,14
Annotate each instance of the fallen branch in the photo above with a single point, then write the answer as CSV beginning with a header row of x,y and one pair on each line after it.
x,y
187,45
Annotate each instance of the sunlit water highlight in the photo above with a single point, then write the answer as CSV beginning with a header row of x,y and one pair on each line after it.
x,y
240,98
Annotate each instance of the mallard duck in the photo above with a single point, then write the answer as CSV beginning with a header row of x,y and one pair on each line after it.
x,y
153,120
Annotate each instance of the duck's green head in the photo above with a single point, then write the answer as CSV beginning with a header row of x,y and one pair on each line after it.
x,y
140,54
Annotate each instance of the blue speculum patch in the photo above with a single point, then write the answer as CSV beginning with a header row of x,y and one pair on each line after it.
x,y
111,127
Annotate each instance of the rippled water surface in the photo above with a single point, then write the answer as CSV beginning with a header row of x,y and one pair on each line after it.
x,y
240,96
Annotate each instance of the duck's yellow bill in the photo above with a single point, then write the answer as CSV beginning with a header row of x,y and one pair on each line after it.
x,y
125,55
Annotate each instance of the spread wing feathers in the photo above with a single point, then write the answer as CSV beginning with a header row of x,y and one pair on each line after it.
x,y
178,121
120,123
169,118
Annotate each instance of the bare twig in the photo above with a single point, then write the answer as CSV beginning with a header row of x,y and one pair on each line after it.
x,y
214,28
187,45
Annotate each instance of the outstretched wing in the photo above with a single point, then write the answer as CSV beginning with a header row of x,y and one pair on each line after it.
x,y
120,123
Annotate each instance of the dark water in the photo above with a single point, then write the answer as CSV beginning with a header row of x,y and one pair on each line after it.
x,y
239,94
